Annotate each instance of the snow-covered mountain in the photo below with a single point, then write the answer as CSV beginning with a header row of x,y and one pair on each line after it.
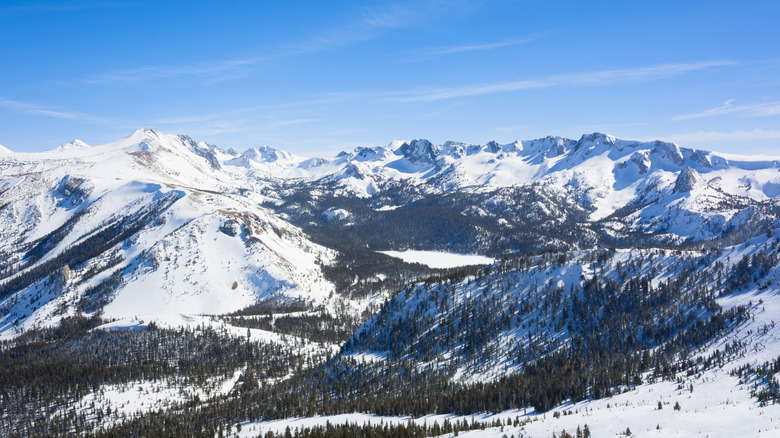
x,y
685,194
145,226
598,165
618,267
157,223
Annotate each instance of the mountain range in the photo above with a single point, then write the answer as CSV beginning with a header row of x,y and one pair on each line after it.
x,y
639,240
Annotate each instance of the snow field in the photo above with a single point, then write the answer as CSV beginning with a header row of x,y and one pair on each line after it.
x,y
438,259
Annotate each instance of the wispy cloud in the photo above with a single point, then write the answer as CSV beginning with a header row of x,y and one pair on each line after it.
x,y
215,71
435,52
32,108
478,47
265,118
399,14
369,23
388,16
603,77
728,107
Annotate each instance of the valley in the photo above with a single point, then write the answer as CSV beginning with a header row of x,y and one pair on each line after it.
x,y
163,286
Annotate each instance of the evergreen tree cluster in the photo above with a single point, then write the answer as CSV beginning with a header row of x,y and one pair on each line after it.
x,y
764,385
45,372
621,317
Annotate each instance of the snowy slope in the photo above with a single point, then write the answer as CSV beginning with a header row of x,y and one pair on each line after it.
x,y
719,406
74,145
181,240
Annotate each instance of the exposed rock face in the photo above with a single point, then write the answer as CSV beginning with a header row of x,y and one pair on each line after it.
x,y
687,180
419,152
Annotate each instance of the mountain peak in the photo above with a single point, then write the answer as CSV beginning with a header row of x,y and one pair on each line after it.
x,y
418,151
148,132
596,138
75,145
687,180
143,134
141,139
546,147
5,151
369,153
267,154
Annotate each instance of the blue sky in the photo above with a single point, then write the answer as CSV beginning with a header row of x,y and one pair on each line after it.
x,y
318,77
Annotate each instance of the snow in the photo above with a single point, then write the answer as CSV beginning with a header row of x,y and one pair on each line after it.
x,y
74,145
611,202
137,398
335,215
195,322
718,407
438,259
271,258
214,251
178,264
124,324
388,207
367,357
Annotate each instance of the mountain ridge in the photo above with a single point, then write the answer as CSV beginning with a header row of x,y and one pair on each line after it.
x,y
259,286
627,189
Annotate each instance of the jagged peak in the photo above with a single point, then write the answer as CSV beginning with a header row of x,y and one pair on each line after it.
x,y
452,143
77,144
154,141
267,154
354,170
687,180
493,147
145,133
418,151
589,142
148,131
395,144
550,146
146,139
369,153
597,138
